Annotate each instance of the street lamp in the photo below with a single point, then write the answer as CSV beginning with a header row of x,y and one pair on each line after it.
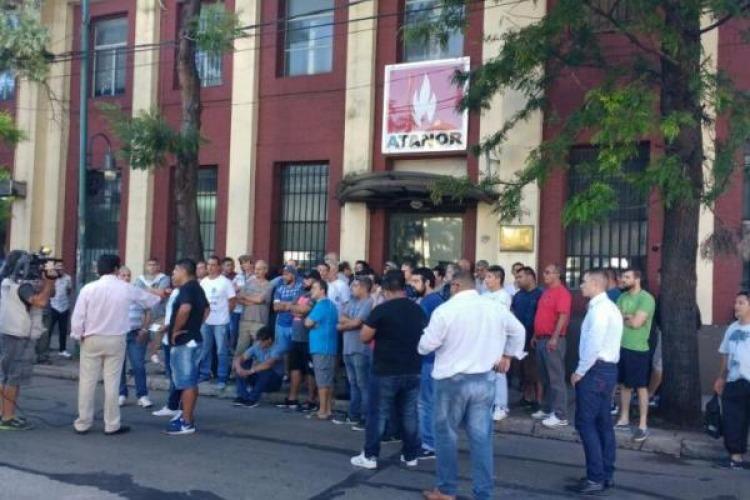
x,y
109,167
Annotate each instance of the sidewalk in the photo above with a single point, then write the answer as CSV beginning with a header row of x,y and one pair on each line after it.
x,y
687,445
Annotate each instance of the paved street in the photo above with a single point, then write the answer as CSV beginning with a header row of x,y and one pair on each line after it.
x,y
264,453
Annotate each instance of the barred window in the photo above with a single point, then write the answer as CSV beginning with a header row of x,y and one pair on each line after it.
x,y
308,44
110,39
102,219
304,213
418,12
618,242
620,10
7,85
208,62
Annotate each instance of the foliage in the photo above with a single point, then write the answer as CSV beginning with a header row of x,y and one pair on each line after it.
x,y
216,30
9,134
23,41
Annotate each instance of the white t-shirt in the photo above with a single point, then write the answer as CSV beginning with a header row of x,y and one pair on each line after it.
x,y
500,296
339,293
168,315
736,346
218,292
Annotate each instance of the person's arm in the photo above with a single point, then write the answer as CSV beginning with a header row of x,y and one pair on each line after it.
x,y
302,309
367,334
231,296
41,299
644,311
563,310
266,365
721,378
433,336
346,323
238,361
314,317
146,298
592,344
515,337
78,318
180,320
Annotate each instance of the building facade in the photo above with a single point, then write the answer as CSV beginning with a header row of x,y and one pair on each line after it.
x,y
324,130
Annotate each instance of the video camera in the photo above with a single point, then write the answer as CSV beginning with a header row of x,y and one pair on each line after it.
x,y
30,266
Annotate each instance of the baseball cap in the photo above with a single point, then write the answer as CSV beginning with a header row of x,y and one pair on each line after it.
x,y
289,269
312,273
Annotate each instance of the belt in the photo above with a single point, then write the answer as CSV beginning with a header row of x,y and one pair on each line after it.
x,y
601,362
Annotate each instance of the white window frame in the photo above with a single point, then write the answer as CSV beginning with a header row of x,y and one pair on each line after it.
x,y
103,48
313,43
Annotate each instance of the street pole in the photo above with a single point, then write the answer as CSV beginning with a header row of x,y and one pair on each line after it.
x,y
82,145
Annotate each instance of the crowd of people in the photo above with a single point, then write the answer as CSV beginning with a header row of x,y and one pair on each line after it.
x,y
424,351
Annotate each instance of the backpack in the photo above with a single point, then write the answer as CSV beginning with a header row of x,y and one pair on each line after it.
x,y
712,418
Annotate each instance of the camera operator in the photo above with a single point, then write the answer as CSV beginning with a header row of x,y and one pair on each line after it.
x,y
24,293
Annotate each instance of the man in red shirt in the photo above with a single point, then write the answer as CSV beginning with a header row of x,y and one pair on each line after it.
x,y
550,327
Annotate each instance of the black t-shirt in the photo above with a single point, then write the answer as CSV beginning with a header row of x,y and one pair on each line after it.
x,y
399,324
190,293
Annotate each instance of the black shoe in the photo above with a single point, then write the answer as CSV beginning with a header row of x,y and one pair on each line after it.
x,y
525,403
307,407
730,464
124,429
288,404
249,403
587,488
425,454
391,439
237,401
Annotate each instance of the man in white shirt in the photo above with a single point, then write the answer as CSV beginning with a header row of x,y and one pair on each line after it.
x,y
59,313
220,293
155,279
338,291
494,279
472,339
594,380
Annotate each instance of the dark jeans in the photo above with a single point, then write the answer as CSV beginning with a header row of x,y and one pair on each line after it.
x,y
265,381
234,331
552,372
399,392
594,422
136,354
62,320
175,395
736,415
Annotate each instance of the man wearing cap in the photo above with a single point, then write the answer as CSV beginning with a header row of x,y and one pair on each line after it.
x,y
284,298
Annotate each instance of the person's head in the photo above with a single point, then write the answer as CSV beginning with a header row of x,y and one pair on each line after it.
x,y
291,262
450,271
594,282
517,266
246,264
346,269
361,266
227,266
393,283
439,272
361,287
464,265
612,278
423,281
481,269
260,269
462,281
390,266
152,267
124,274
631,280
333,259
184,271
289,274
107,264
309,277
201,269
213,265
59,267
494,277
552,274
742,306
264,336
407,267
324,268
526,278
319,289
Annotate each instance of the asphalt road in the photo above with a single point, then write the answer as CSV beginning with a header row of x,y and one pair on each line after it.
x,y
265,453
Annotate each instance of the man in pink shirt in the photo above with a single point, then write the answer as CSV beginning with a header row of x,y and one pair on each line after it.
x,y
100,323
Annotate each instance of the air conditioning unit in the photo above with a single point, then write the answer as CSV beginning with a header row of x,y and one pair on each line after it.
x,y
11,188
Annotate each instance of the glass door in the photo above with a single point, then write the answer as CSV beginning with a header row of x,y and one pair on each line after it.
x,y
426,239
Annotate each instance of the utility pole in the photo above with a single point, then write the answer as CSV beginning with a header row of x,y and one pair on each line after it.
x,y
82,145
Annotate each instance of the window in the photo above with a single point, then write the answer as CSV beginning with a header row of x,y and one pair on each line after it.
x,y
208,62
426,239
417,12
7,85
308,44
102,219
206,201
304,213
746,220
621,10
620,241
110,38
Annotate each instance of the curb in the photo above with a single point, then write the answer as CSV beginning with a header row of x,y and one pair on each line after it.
x,y
684,445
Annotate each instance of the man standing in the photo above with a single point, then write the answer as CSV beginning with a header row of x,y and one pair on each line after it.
x,y
153,278
494,281
395,326
471,338
338,289
637,307
100,322
247,272
423,282
594,380
59,308
524,306
255,296
550,328
284,297
324,337
189,310
221,297
480,273
512,286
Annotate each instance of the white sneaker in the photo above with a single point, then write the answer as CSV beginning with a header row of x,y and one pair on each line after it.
x,y
552,421
66,355
499,414
362,461
409,463
144,402
540,415
155,359
166,412
121,400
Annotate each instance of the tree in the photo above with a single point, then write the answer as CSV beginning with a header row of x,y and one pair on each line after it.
x,y
149,141
664,90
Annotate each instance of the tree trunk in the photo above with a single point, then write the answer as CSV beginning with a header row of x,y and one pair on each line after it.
x,y
186,173
682,390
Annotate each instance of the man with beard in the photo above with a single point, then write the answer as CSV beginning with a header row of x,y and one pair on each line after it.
x,y
284,297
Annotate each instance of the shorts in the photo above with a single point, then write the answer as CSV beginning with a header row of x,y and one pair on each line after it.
x,y
283,337
299,358
656,361
184,360
325,369
633,368
17,356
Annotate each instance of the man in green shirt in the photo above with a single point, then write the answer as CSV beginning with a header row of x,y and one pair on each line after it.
x,y
637,307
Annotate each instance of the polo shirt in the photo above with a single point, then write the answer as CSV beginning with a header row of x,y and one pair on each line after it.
x,y
554,301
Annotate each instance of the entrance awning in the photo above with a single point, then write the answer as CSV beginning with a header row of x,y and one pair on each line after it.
x,y
399,189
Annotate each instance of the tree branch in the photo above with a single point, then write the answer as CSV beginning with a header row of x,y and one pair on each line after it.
x,y
723,20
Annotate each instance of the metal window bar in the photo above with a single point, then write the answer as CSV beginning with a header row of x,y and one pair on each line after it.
x,y
303,224
618,242
206,198
102,219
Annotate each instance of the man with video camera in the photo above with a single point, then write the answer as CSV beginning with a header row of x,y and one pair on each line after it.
x,y
27,280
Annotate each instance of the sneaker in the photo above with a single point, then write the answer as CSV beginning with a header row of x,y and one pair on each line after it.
x,y
640,435
65,354
654,401
288,404
15,424
499,414
730,464
540,415
307,407
426,454
343,420
237,401
121,400
176,416
552,421
362,461
409,463
165,412
246,403
622,427
614,409
178,427
220,386
155,359
145,402
359,426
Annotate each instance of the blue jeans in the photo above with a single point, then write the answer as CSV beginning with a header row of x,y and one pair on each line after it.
x,y
427,405
173,402
465,400
215,335
234,329
593,421
358,375
501,391
399,392
265,381
185,360
136,354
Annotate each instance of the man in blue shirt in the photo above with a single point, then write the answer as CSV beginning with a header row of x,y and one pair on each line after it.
x,y
284,297
324,336
524,308
261,366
